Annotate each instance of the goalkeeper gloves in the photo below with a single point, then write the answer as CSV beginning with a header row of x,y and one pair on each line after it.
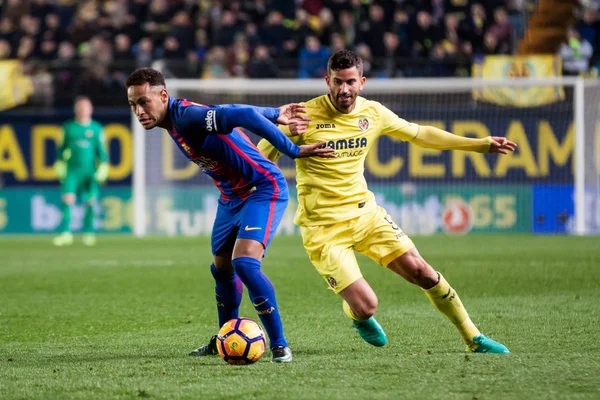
x,y
101,173
60,169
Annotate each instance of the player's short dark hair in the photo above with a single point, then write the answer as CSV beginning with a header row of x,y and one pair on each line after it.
x,y
145,75
344,59
80,98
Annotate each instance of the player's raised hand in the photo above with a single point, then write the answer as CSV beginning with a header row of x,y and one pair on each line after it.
x,y
317,149
293,113
502,145
298,127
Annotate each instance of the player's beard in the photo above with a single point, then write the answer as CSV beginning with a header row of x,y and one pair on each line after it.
x,y
345,100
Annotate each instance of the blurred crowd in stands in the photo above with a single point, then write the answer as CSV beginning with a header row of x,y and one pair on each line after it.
x,y
89,47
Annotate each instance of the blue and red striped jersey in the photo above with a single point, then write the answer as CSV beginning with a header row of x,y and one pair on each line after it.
x,y
209,136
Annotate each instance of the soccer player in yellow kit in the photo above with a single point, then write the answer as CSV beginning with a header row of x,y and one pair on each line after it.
x,y
337,213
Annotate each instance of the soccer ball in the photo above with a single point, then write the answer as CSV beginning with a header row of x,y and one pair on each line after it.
x,y
241,341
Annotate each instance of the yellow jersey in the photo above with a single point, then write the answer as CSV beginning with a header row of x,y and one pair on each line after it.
x,y
332,190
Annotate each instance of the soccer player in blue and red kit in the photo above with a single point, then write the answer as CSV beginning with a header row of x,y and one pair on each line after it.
x,y
254,193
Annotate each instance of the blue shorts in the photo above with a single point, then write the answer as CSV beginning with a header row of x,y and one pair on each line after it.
x,y
255,218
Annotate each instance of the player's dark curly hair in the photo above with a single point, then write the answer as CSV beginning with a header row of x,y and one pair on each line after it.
x,y
344,59
145,75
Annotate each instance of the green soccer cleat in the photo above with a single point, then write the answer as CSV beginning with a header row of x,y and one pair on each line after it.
x,y
89,239
371,332
281,354
487,345
64,239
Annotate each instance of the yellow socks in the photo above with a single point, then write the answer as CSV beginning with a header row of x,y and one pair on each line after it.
x,y
445,299
348,310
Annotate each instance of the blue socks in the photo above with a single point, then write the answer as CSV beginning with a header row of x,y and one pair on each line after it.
x,y
262,295
228,292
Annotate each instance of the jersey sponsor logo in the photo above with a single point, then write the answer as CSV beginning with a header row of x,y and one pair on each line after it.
x,y
348,146
205,163
247,228
343,144
211,120
325,126
363,124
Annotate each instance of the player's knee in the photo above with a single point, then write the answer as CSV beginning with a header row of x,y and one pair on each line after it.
x,y
245,267
423,274
367,308
69,199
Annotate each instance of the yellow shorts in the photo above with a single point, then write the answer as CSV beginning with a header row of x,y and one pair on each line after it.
x,y
330,247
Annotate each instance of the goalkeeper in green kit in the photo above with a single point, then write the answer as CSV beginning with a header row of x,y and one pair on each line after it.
x,y
81,166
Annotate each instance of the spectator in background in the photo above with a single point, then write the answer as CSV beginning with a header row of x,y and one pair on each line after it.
x,y
144,54
474,26
66,75
365,53
425,35
238,57
5,49
157,19
225,34
400,25
172,50
52,28
440,65
215,66
8,31
347,27
181,28
48,50
326,26
576,53
502,30
192,68
588,27
251,33
256,10
123,54
313,59
26,48
491,46
337,43
390,66
262,65
274,33
372,31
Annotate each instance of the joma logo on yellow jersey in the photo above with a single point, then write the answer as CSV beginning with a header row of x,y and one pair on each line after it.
x,y
325,126
342,144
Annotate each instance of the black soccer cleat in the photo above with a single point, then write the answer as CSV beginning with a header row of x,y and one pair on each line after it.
x,y
281,354
209,349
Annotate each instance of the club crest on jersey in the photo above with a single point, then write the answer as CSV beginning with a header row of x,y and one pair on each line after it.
x,y
89,133
332,282
363,124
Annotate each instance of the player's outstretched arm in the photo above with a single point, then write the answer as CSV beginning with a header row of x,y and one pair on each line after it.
x,y
229,118
434,138
293,114
270,113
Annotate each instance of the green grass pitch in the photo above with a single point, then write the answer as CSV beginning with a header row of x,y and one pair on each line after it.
x,y
116,322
